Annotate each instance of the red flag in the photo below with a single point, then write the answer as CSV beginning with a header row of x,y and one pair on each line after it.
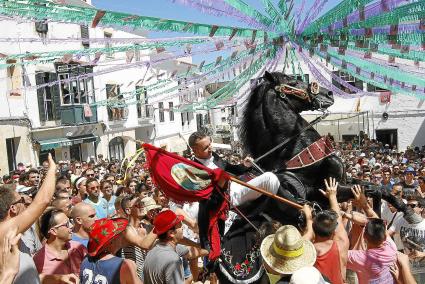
x,y
181,179
184,180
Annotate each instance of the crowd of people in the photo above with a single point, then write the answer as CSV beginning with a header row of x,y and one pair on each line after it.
x,y
106,222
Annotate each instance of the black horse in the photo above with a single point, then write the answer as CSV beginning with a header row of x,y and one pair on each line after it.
x,y
272,115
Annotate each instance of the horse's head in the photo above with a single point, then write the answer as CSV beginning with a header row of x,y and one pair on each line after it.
x,y
298,95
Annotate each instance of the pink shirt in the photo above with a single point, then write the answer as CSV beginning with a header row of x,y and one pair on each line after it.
x,y
48,262
373,265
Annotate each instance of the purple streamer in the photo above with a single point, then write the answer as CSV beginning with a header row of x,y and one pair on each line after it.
x,y
299,12
402,28
322,80
378,77
304,22
371,10
315,13
221,8
124,67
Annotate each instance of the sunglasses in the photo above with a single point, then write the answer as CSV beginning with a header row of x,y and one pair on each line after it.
x,y
90,175
412,205
68,224
22,200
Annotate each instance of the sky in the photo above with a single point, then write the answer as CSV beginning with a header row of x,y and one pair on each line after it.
x,y
168,9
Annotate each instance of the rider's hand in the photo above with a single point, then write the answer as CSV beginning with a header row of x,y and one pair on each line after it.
x,y
247,162
331,188
307,212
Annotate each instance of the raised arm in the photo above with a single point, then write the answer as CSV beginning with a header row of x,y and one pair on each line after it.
x,y
360,200
331,192
44,195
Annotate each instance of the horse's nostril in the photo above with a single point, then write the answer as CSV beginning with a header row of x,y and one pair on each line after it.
x,y
330,93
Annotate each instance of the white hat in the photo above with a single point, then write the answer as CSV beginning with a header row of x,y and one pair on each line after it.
x,y
307,275
362,155
22,188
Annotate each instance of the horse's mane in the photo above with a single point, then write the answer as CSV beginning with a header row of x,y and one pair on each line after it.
x,y
252,117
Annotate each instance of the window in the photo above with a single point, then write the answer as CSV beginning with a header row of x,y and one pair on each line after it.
x,y
78,91
137,52
223,110
171,110
108,44
161,112
14,78
45,97
116,148
182,118
85,36
188,118
223,119
11,146
117,109
140,97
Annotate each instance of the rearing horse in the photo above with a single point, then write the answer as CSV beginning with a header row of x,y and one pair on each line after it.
x,y
272,115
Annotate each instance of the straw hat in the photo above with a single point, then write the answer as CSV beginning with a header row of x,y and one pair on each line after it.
x,y
149,204
286,251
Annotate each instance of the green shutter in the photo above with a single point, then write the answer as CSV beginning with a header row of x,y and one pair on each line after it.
x,y
39,79
56,100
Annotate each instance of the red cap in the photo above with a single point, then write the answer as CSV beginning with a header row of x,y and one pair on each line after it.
x,y
103,231
165,221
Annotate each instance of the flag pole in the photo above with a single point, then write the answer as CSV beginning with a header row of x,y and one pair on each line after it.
x,y
269,194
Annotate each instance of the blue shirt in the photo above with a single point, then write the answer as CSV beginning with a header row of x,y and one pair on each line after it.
x,y
101,207
111,205
95,271
82,241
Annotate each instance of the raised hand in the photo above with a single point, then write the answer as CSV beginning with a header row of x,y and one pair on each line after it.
x,y
331,188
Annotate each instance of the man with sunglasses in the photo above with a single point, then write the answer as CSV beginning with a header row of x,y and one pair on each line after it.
x,y
15,216
99,203
60,257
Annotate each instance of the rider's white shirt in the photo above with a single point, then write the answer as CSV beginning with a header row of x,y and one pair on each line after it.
x,y
240,194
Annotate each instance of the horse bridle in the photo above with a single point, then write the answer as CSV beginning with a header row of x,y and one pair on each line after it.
x,y
285,89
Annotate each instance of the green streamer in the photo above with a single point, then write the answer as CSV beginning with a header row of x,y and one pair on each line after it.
x,y
375,83
48,56
371,67
83,15
407,13
249,11
335,14
229,89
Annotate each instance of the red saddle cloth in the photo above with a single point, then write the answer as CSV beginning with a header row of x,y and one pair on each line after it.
x,y
317,151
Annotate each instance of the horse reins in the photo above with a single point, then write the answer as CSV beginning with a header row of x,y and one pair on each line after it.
x,y
286,141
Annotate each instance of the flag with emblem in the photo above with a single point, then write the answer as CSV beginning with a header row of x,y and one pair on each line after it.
x,y
181,179
184,180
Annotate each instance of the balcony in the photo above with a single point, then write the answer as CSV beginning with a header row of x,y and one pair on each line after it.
x,y
77,114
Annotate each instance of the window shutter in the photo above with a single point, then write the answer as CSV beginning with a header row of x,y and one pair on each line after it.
x,y
39,79
85,35
56,101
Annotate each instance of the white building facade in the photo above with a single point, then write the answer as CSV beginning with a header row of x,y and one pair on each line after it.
x,y
70,118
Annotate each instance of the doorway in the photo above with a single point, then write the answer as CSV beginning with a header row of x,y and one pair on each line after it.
x,y
75,152
387,136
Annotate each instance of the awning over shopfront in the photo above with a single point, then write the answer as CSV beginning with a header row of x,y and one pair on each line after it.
x,y
65,142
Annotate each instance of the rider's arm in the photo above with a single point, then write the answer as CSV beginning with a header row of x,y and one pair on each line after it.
x,y
308,231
